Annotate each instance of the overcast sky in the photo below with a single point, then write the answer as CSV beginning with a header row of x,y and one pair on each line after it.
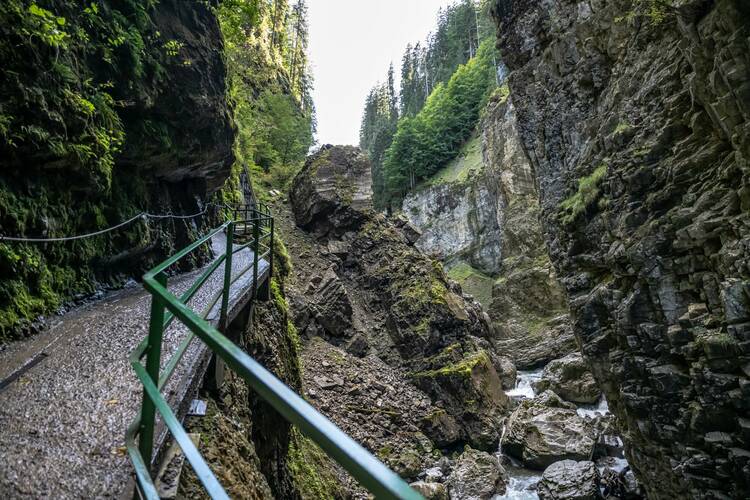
x,y
351,44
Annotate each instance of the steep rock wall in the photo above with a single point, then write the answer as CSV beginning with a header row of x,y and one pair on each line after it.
x,y
107,110
372,292
635,117
488,219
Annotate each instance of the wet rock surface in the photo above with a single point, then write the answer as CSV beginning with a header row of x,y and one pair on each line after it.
x,y
570,378
476,476
634,116
571,480
545,430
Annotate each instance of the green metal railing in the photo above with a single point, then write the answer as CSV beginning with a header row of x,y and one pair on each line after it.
x,y
257,226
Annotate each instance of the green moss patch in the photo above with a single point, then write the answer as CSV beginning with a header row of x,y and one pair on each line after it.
x,y
312,472
587,194
457,170
461,369
473,281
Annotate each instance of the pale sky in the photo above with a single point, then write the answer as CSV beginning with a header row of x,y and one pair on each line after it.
x,y
352,42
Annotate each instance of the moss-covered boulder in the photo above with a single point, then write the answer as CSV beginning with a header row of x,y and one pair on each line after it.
x,y
472,394
333,190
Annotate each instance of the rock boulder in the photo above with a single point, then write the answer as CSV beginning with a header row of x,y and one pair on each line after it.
x,y
546,429
570,378
476,476
569,480
333,190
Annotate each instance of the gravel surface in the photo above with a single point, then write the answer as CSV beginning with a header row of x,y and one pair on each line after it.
x,y
63,422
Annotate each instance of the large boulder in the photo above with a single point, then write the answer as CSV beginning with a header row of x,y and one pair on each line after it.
x,y
476,476
472,394
333,190
547,429
570,378
431,491
569,480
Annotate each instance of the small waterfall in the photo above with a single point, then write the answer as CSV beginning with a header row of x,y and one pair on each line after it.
x,y
524,388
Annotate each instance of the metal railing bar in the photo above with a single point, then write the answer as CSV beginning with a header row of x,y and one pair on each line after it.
x,y
370,472
201,469
242,247
169,368
185,297
265,254
172,260
147,487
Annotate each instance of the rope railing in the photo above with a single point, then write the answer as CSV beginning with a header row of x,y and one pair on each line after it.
x,y
141,215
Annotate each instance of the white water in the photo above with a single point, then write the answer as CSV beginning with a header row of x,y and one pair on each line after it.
x,y
600,408
521,481
524,379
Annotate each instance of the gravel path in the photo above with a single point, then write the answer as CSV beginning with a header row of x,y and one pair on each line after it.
x,y
63,422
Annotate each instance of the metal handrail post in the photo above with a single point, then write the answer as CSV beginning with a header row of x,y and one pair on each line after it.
x,y
256,249
227,276
270,253
153,361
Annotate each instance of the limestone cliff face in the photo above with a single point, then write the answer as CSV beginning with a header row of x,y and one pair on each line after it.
x,y
635,117
488,219
459,221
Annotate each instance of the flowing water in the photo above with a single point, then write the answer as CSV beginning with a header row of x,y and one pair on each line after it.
x,y
524,389
522,481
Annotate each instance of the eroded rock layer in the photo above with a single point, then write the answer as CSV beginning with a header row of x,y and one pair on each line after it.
x,y
370,291
636,118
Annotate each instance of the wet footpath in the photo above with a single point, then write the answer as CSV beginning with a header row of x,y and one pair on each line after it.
x,y
67,395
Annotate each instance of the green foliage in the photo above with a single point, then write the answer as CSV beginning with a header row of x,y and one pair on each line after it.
x,y
461,29
269,88
57,109
586,195
427,142
376,132
473,281
69,67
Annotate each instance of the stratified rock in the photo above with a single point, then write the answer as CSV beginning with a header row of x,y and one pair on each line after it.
x,y
546,429
476,476
413,317
533,343
472,393
333,309
333,190
570,378
431,491
635,117
569,480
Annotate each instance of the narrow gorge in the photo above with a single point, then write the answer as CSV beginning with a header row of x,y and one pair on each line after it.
x,y
529,279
